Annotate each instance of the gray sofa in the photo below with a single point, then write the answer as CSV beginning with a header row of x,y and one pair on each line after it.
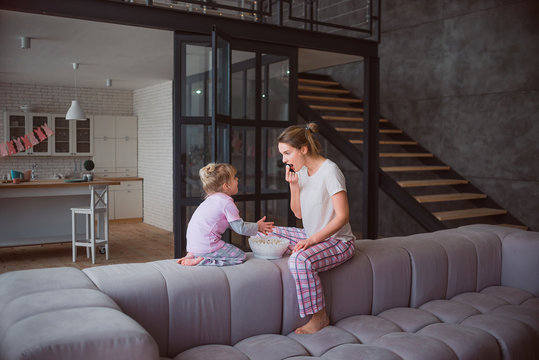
x,y
466,293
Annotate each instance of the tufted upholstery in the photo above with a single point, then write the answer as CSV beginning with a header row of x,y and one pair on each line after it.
x,y
465,293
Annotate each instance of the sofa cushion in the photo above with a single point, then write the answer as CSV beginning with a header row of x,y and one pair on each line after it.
x,y
482,302
360,352
137,288
467,342
80,333
489,256
214,352
323,340
199,305
415,346
270,347
448,311
409,319
37,303
255,298
429,268
18,283
511,295
461,262
516,339
391,271
367,328
528,316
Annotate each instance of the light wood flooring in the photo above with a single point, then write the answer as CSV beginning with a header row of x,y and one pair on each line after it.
x,y
128,243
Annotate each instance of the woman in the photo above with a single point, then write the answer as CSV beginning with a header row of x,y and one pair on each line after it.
x,y
318,197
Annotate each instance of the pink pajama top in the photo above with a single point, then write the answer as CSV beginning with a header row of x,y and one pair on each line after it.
x,y
208,223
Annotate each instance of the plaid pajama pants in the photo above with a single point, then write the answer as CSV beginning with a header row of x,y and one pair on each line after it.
x,y
306,264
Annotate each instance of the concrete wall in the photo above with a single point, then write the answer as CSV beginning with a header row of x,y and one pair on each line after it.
x,y
462,78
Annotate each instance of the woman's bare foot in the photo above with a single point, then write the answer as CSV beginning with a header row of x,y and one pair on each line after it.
x,y
318,321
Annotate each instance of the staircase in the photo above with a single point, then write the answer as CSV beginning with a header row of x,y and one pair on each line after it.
x,y
425,187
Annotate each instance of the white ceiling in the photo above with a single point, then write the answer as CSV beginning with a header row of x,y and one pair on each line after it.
x,y
133,57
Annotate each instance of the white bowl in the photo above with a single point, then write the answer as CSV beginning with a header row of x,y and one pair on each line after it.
x,y
268,247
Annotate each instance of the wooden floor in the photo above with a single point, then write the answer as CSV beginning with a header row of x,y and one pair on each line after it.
x,y
129,243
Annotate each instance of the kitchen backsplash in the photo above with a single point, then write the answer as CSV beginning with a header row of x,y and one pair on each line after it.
x,y
56,99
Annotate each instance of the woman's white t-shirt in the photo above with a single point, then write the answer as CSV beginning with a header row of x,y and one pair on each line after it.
x,y
315,194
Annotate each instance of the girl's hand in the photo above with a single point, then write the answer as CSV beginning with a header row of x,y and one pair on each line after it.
x,y
304,244
265,227
291,176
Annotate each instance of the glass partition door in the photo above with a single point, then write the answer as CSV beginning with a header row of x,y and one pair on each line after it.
x,y
232,99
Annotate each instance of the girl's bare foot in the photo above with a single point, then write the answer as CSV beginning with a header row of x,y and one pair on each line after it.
x,y
192,261
318,321
189,260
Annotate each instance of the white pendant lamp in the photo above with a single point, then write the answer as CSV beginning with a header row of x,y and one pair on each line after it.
x,y
75,111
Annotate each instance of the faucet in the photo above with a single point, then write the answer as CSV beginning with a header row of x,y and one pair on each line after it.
x,y
34,171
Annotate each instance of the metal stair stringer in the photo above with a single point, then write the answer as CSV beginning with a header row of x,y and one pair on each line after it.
x,y
406,201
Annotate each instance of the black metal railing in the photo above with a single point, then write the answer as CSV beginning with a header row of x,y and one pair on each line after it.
x,y
351,18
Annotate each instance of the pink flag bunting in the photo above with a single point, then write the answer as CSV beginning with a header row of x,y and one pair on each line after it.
x,y
40,134
11,147
47,129
26,141
18,143
3,149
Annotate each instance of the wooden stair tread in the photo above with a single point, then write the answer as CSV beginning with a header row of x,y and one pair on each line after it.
x,y
414,168
431,182
317,89
387,142
448,197
329,98
348,118
335,108
521,227
467,213
317,82
396,155
382,131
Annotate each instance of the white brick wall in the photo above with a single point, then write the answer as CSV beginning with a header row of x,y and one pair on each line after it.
x,y
57,99
153,106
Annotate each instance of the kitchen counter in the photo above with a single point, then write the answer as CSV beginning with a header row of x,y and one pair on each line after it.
x,y
48,183
39,212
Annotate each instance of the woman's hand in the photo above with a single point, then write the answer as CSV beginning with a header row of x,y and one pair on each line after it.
x,y
265,227
291,176
304,244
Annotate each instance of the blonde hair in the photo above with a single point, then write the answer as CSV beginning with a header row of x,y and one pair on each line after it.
x,y
214,175
298,136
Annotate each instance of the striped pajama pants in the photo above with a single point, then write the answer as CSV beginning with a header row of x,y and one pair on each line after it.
x,y
306,264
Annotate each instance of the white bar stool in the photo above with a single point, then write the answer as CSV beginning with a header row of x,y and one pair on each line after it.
x,y
97,212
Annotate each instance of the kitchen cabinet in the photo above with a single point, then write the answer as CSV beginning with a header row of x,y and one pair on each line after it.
x,y
125,200
116,145
72,137
17,124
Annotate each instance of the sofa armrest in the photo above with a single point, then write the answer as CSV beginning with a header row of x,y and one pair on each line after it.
x,y
520,261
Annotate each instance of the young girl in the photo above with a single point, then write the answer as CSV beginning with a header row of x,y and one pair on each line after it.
x,y
318,197
216,214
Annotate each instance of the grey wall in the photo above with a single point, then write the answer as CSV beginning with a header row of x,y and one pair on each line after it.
x,y
462,78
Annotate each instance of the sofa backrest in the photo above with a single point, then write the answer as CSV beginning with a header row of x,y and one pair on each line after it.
x,y
183,307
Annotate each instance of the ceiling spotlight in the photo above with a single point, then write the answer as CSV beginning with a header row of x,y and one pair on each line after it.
x,y
25,42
